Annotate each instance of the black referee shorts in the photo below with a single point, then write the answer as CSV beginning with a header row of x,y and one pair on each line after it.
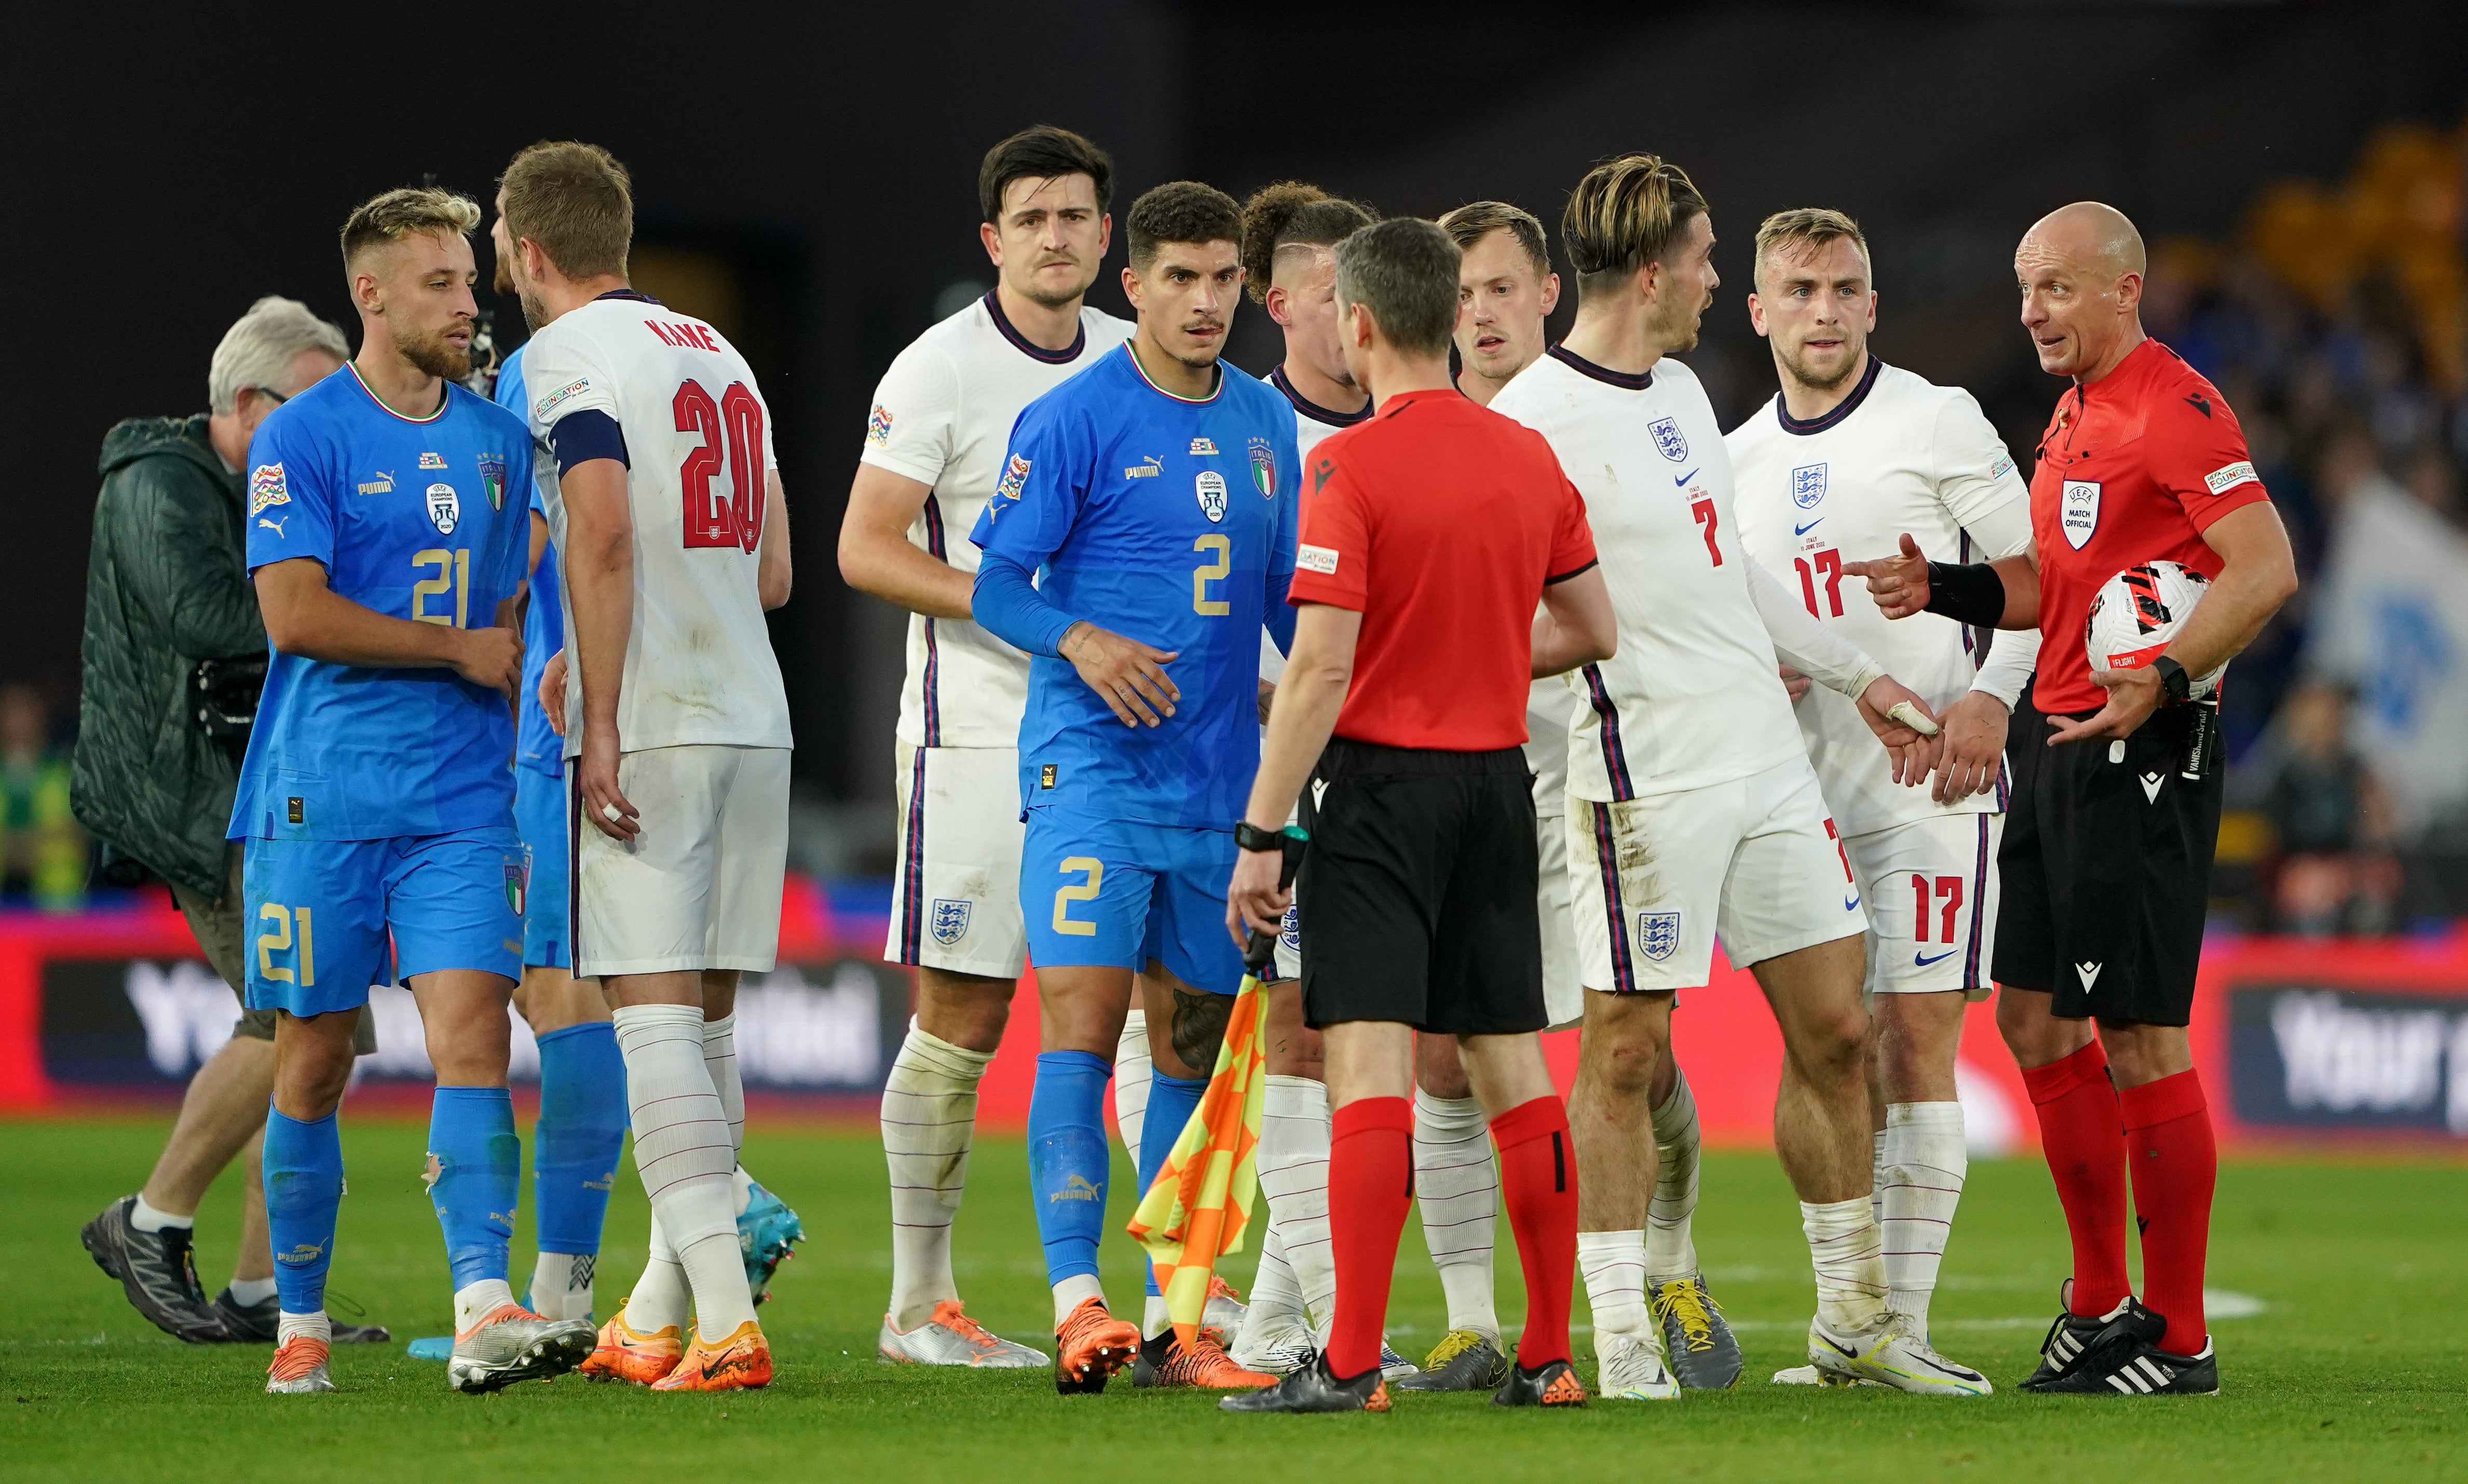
x,y
2105,870
1416,895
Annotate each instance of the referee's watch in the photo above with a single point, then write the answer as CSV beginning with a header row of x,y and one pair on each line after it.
x,y
1250,837
2176,687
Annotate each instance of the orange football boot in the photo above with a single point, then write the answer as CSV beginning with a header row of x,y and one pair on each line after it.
x,y
1203,1363
299,1367
739,1362
1089,1346
625,1354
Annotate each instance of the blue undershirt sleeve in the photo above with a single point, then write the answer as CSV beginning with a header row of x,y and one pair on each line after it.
x,y
1007,604
1280,614
587,434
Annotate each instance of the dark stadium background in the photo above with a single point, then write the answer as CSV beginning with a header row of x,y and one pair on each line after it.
x,y
805,177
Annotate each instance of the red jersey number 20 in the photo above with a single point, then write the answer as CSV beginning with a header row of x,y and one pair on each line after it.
x,y
731,429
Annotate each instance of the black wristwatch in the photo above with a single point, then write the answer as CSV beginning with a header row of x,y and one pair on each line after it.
x,y
1250,837
2175,684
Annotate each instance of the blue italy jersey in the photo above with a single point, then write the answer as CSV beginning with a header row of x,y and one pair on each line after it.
x,y
416,519
1170,521
535,745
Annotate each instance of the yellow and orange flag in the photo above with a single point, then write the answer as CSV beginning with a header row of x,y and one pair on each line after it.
x,y
1201,1204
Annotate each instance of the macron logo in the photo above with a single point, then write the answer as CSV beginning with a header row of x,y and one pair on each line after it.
x,y
2089,974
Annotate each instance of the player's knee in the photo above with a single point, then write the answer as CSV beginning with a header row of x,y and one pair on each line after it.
x,y
965,1009
312,1066
1439,1071
1832,1045
1623,1053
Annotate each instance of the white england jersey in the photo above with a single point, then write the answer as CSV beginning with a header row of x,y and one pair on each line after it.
x,y
1898,455
943,416
1312,423
699,662
1692,698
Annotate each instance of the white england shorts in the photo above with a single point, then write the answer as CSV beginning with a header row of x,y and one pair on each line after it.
x,y
956,893
1932,898
700,887
1655,880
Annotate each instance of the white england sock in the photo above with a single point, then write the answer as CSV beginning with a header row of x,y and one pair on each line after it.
x,y
1848,1254
1928,1161
684,1151
660,1299
1457,1184
1613,1265
1670,1248
1293,1174
1133,1070
1276,1298
719,1063
930,1120
1880,1173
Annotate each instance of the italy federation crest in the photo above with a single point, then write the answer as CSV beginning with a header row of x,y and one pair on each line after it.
x,y
1210,486
951,922
444,510
1657,934
1668,438
493,480
519,885
1264,469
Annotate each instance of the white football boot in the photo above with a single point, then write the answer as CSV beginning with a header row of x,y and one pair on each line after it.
x,y
950,1338
1631,1368
1889,1354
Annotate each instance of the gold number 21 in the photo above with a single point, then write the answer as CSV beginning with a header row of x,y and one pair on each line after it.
x,y
454,574
269,943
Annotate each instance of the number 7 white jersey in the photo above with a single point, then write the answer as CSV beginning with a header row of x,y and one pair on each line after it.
x,y
699,662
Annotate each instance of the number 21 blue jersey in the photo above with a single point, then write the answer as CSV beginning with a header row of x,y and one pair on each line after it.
x,y
427,519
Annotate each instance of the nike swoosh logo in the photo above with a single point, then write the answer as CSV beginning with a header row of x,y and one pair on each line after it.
x,y
1844,1350
1850,903
1681,482
1797,529
1939,959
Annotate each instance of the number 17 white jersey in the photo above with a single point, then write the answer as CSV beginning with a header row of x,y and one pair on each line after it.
x,y
699,663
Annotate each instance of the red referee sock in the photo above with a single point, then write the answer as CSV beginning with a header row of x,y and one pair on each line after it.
x,y
1370,1188
1538,1183
2175,1163
2084,1138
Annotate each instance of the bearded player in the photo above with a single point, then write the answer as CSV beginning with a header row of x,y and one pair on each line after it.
x,y
1849,454
667,508
934,446
1691,799
1508,290
1142,532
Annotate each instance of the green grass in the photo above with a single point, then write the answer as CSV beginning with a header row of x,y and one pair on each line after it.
x,y
2354,1370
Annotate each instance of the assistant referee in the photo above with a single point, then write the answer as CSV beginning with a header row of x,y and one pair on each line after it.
x,y
2107,856
1429,534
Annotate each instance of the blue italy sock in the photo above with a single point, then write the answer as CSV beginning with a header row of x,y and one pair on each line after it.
x,y
580,1136
476,1164
1172,1101
1067,1158
304,1189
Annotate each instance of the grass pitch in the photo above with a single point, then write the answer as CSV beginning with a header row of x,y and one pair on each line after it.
x,y
2353,1368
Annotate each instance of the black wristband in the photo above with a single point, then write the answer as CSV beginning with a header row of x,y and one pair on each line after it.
x,y
1973,594
1250,837
2176,687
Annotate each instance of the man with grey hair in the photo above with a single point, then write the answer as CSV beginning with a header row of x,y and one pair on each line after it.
x,y
174,654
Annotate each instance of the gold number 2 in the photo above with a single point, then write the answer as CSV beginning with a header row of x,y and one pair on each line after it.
x,y
1095,872
1202,576
269,943
453,575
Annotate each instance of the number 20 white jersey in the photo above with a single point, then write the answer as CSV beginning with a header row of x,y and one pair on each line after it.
x,y
699,663
1899,454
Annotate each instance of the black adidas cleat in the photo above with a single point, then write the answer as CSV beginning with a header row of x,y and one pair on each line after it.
x,y
2075,1344
1552,1383
1314,1388
254,1324
156,1270
2146,1371
1463,1360
1703,1353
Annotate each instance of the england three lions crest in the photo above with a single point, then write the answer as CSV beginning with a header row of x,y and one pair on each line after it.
x,y
1668,438
1657,934
1808,486
951,922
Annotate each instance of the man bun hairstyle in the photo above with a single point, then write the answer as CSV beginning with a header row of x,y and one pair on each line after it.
x,y
1292,213
260,348
1042,152
1181,211
1404,271
1475,220
1626,214
407,210
575,202
1805,230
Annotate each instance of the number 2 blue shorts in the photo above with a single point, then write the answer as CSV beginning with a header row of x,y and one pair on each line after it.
x,y
1117,891
540,817
329,918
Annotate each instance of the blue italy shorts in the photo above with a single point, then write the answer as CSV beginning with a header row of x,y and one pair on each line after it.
x,y
540,817
1117,891
329,918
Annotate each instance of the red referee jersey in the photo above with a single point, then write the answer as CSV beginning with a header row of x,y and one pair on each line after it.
x,y
2133,468
1440,522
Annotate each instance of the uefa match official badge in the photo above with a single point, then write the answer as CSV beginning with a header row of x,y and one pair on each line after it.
x,y
2079,512
1210,486
1264,469
445,508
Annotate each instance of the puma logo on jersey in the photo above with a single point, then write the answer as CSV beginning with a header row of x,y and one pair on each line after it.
x,y
2089,974
275,526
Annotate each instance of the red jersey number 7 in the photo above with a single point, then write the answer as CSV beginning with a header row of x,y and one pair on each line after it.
x,y
1704,510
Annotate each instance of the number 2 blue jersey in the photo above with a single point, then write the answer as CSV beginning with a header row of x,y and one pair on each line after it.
x,y
416,519
1170,521
536,744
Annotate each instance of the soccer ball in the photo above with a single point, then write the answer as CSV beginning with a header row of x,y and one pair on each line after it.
x,y
2137,613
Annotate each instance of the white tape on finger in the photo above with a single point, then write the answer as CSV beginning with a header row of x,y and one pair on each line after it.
x,y
1909,716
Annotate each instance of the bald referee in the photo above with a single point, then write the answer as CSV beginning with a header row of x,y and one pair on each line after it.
x,y
2106,856
1429,534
